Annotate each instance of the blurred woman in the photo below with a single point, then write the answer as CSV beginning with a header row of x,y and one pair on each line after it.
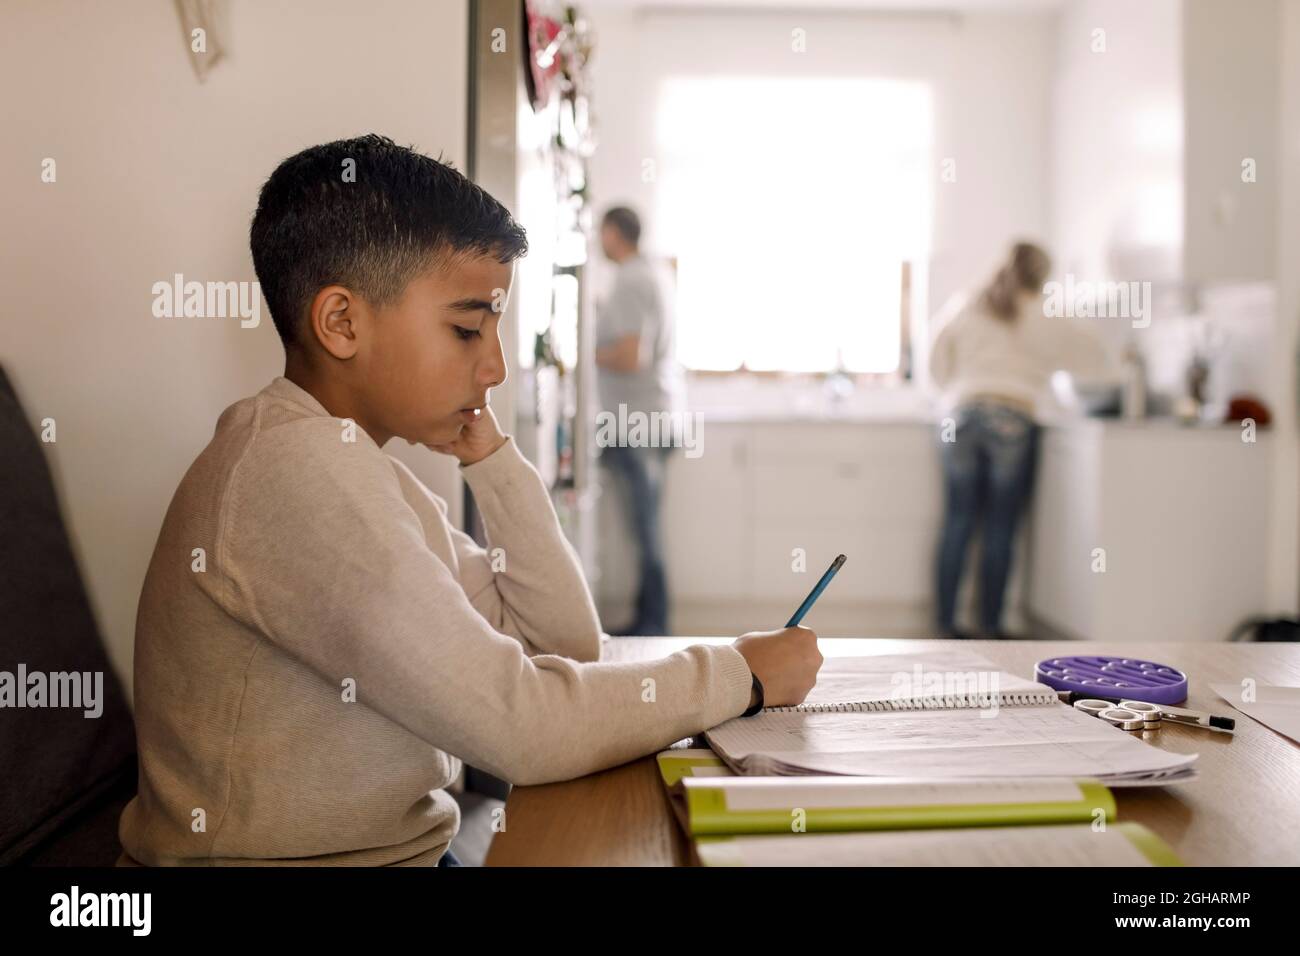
x,y
994,358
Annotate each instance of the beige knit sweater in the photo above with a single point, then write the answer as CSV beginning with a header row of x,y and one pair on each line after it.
x,y
307,684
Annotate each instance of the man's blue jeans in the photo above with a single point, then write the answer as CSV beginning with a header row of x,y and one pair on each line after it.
x,y
642,470
988,477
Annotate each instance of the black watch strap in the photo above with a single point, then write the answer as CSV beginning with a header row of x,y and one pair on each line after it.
x,y
758,705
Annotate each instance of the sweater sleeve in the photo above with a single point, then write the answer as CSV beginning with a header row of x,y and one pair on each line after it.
x,y
536,590
943,353
321,554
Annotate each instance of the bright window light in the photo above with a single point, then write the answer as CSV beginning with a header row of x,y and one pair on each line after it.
x,y
791,205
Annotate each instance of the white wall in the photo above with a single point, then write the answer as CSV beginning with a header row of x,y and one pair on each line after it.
x,y
158,174
1116,134
1284,578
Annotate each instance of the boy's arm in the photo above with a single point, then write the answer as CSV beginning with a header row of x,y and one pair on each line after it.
x,y
528,582
321,554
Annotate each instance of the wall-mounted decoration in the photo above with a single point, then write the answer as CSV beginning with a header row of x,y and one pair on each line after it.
x,y
201,22
545,36
558,49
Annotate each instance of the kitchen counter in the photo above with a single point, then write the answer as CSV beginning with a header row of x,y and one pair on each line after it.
x,y
1149,529
743,416
1163,425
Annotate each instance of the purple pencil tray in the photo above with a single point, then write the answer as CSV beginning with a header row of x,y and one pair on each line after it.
x,y
1114,677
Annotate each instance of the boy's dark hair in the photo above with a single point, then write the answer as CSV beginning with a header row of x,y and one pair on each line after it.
x,y
372,231
626,221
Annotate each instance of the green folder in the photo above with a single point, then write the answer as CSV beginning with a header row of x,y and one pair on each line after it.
x,y
736,820
710,800
676,764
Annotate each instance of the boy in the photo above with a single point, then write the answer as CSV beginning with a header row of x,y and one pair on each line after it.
x,y
307,684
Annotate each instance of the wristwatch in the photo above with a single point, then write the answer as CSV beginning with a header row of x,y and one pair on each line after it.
x,y
758,686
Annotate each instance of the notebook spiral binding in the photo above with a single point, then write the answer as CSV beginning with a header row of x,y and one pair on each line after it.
x,y
1006,698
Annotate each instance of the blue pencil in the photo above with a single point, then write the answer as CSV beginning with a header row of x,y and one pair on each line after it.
x,y
817,591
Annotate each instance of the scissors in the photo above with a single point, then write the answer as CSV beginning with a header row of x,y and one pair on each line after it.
x,y
1126,715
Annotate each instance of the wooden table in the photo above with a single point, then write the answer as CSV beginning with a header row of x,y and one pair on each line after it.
x,y
1243,810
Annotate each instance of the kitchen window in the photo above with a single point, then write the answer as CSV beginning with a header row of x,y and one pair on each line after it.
x,y
794,208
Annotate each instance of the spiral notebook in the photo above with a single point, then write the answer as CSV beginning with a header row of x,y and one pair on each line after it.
x,y
921,680
937,714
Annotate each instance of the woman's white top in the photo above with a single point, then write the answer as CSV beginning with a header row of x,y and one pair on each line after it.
x,y
977,353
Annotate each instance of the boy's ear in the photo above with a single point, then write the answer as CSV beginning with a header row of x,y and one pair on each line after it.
x,y
333,319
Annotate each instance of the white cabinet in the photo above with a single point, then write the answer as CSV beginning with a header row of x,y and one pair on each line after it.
x,y
706,522
1149,531
1231,80
1064,528
708,534
1179,516
761,489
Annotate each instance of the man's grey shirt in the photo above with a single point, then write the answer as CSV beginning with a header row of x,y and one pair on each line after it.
x,y
640,302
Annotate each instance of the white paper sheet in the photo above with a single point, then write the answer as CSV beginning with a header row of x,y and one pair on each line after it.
x,y
1275,706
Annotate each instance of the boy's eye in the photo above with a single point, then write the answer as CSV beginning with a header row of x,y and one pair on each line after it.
x,y
465,334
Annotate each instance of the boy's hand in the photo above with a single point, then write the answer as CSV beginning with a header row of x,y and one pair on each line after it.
x,y
785,661
476,440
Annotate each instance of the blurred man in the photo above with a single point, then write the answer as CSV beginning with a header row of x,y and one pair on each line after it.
x,y
638,371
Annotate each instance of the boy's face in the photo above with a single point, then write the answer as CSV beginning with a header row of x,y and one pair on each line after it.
x,y
434,353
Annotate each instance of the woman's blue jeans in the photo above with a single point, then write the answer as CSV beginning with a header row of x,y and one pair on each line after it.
x,y
988,471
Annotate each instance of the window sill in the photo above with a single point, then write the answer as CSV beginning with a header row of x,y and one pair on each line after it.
x,y
781,397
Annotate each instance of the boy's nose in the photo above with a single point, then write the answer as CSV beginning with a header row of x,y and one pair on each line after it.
x,y
493,371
